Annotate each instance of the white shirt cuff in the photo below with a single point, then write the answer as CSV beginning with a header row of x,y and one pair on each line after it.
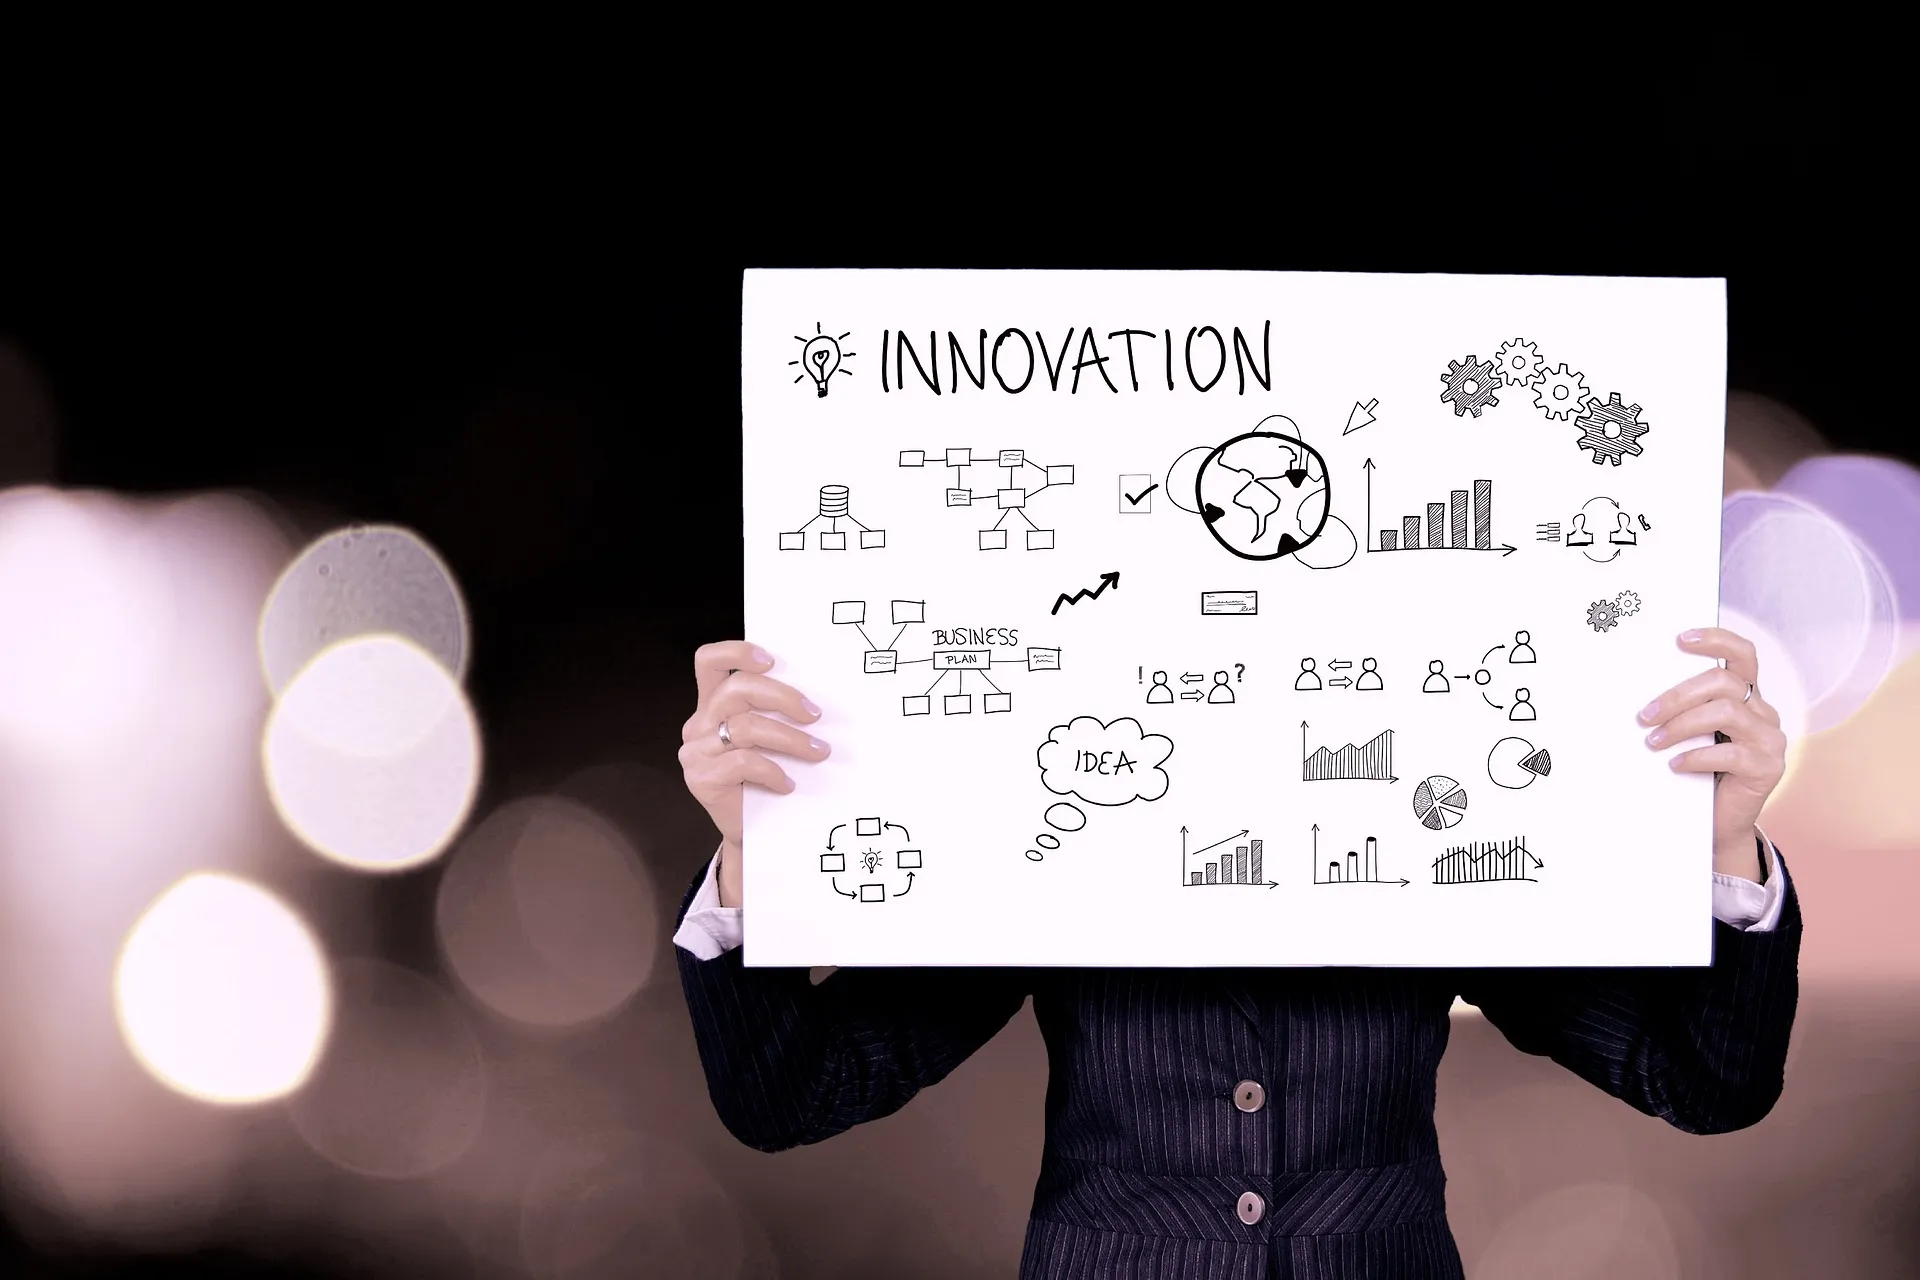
x,y
1750,907
709,930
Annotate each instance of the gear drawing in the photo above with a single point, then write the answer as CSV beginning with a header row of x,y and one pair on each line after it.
x,y
1561,394
1519,362
1602,614
1611,429
1470,385
1628,603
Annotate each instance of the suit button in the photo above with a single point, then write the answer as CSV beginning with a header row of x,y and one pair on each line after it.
x,y
1251,1208
1249,1096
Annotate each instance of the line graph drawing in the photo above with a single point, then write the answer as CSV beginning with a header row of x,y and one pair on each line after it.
x,y
1371,761
1106,580
955,654
1360,866
1011,496
1485,861
835,505
1242,864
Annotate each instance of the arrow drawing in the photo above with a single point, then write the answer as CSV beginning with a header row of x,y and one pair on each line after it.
x,y
904,833
1191,677
903,893
842,892
831,834
1362,414
1106,580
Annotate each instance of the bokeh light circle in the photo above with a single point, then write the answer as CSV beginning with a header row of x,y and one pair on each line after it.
x,y
1807,581
372,755
222,993
546,914
360,581
402,1087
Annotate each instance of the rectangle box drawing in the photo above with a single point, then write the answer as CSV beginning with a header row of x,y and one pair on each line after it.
x,y
873,893
849,611
909,611
1011,498
999,702
833,862
866,826
793,542
913,457
962,659
833,542
879,662
1012,457
957,704
993,539
1230,602
959,457
907,860
1060,475
916,704
959,498
1043,659
871,538
1039,539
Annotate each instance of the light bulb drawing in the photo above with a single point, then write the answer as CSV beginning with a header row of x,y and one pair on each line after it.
x,y
820,358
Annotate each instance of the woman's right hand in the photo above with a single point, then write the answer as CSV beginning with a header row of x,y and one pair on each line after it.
x,y
736,692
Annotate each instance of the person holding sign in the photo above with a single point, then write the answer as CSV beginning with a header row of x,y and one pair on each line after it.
x,y
1241,1123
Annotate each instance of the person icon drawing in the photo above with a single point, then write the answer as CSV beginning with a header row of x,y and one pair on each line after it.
x,y
1436,678
1522,708
1369,675
1308,677
1580,537
1624,536
1522,650
1159,692
1221,691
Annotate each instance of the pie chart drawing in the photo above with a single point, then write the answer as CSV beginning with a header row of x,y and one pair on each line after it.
x,y
1514,763
1439,802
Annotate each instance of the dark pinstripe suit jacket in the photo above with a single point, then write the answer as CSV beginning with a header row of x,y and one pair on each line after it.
x,y
1147,1153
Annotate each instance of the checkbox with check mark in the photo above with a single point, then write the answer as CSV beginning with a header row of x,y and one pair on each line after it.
x,y
1136,495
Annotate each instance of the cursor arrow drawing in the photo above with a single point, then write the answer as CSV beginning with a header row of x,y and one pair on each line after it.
x,y
1362,414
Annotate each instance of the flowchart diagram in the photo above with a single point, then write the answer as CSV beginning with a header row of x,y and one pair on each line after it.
x,y
956,654
1011,495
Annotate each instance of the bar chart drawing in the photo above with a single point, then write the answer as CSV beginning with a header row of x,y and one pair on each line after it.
x,y
1357,866
1464,522
1483,862
1239,859
1371,761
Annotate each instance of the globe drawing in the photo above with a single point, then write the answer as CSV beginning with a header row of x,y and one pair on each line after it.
x,y
1263,495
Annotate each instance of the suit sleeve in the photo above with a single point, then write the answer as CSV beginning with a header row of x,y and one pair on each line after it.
x,y
1703,1049
790,1062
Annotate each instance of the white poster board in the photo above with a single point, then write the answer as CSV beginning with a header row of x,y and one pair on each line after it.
x,y
1230,618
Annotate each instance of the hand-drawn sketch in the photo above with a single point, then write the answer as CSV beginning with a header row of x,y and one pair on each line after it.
x,y
1548,532
1106,580
1439,802
1220,691
1603,615
1603,514
1136,495
1514,763
1522,650
1367,681
1263,495
1561,394
875,855
1485,861
1011,496
1243,864
1522,708
955,653
1061,817
1108,764
1519,363
834,507
1308,679
1161,692
1470,385
1446,523
1360,415
1628,602
1243,604
1610,429
1358,867
820,358
1371,761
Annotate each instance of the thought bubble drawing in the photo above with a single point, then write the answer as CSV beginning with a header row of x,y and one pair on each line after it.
x,y
1105,764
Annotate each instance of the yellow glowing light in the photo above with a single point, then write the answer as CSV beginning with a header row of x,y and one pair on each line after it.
x,y
372,755
222,993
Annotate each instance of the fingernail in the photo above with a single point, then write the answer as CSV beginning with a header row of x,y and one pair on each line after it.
x,y
1651,710
807,704
1690,637
1657,737
762,657
816,744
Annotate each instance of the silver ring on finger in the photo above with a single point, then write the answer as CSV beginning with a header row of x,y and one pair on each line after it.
x,y
1749,697
726,736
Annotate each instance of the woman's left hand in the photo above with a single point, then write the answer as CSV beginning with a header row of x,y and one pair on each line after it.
x,y
1748,757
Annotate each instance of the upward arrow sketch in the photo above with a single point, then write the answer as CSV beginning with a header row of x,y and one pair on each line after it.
x,y
1368,466
1106,580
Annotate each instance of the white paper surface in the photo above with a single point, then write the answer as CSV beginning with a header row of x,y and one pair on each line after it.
x,y
935,836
